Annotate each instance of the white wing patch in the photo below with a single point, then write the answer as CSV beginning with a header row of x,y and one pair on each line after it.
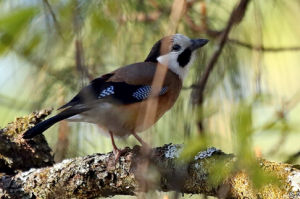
x,y
144,92
106,92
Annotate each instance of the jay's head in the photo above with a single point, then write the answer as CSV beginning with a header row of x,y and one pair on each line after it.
x,y
175,51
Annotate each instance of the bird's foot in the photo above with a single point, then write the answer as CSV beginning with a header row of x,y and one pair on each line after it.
x,y
118,152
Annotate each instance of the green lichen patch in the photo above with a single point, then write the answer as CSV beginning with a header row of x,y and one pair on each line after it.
x,y
21,124
280,187
19,154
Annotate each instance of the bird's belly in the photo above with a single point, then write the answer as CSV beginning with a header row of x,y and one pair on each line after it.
x,y
123,120
109,118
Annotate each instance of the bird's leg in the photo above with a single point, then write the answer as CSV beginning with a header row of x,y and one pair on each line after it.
x,y
117,152
143,143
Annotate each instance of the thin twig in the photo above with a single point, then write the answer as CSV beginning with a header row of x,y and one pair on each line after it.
x,y
235,18
263,48
56,24
201,29
79,52
204,28
281,115
292,159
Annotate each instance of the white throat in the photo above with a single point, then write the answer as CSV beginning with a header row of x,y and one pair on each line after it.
x,y
170,60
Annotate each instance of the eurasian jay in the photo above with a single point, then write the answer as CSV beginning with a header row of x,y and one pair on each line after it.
x,y
119,101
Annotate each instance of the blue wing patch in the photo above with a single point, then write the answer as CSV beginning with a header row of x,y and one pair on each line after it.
x,y
106,92
119,92
163,90
144,92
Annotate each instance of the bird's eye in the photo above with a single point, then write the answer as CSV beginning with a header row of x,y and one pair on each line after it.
x,y
176,47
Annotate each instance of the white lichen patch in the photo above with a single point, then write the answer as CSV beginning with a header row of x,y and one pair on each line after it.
x,y
294,180
207,153
198,165
287,169
100,158
173,151
62,164
78,182
83,170
25,175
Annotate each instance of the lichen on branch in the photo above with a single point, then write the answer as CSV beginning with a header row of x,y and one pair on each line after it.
x,y
99,175
19,154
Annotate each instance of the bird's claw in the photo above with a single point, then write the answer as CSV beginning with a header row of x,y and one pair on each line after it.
x,y
117,153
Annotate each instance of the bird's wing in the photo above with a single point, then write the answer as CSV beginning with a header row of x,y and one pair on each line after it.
x,y
88,93
126,85
123,93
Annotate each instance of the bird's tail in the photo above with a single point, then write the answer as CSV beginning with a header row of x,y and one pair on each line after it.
x,y
44,125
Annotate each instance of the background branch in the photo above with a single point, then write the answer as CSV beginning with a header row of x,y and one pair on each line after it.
x,y
205,29
79,51
292,158
236,17
56,24
263,48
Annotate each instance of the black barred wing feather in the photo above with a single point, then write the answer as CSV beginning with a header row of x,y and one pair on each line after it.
x,y
126,94
144,92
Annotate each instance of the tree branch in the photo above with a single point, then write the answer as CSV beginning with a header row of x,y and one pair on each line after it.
x,y
292,158
235,18
204,28
17,154
79,51
56,24
98,176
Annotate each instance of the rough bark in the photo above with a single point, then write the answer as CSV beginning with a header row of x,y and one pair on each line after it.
x,y
18,154
98,175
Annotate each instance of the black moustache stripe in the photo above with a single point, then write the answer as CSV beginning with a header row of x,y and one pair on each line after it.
x,y
184,58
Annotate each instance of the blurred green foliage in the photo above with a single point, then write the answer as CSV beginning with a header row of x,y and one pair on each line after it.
x,y
251,101
13,25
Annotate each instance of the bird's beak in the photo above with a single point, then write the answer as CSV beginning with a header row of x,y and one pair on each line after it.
x,y
198,43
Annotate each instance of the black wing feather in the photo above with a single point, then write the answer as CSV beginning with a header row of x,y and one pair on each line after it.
x,y
88,93
115,92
